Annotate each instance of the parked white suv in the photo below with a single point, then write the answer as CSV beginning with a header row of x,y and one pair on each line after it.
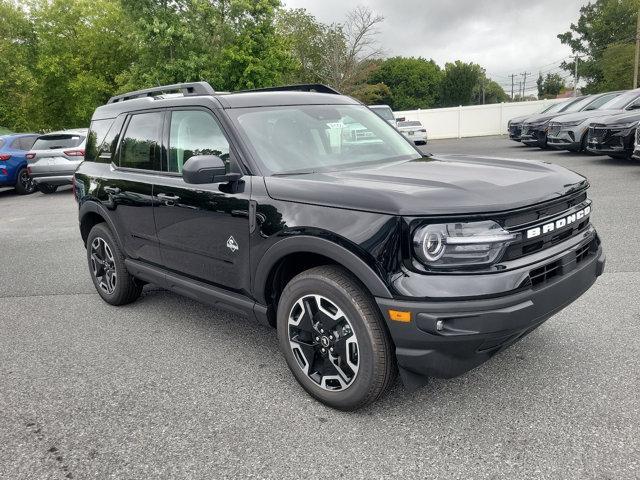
x,y
54,158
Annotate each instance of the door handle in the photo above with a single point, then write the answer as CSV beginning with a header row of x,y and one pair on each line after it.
x,y
168,200
112,190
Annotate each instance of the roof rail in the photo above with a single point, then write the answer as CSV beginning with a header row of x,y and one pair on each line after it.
x,y
192,88
303,87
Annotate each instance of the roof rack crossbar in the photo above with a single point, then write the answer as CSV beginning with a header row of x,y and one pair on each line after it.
x,y
191,88
303,87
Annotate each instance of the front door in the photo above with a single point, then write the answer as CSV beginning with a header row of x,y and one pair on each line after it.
x,y
203,230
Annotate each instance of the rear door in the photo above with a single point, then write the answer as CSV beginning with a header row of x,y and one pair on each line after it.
x,y
127,188
203,230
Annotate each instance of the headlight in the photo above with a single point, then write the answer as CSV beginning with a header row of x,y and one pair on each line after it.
x,y
623,125
454,245
571,124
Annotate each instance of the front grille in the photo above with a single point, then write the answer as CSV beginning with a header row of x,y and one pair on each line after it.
x,y
597,134
554,129
582,253
515,130
536,217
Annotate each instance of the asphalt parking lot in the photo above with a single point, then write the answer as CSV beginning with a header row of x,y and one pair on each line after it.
x,y
170,388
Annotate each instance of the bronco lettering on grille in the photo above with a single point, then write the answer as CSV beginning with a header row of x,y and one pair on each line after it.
x,y
558,224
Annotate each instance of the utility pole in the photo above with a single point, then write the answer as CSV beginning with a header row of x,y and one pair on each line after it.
x,y
635,70
575,76
524,82
520,88
513,76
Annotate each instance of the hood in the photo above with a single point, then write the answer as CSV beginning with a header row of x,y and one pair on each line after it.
x,y
572,117
520,119
620,118
541,117
438,185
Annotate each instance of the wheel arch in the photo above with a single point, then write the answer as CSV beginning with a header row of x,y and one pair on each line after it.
x,y
92,213
314,251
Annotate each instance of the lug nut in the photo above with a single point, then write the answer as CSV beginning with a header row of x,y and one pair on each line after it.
x,y
322,330
324,350
331,349
317,339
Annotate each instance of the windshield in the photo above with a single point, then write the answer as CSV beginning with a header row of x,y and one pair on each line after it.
x,y
622,101
53,142
602,100
579,105
555,107
311,138
384,111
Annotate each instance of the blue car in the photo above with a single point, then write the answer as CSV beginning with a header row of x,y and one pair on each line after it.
x,y
13,162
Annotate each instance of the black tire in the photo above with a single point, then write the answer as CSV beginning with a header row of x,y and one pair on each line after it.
x,y
24,184
124,289
377,367
44,188
583,143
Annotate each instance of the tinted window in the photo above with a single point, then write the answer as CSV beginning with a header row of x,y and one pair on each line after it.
x,y
384,111
620,102
140,146
97,131
194,133
57,141
23,143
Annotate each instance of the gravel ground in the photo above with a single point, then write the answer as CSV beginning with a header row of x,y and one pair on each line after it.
x,y
170,388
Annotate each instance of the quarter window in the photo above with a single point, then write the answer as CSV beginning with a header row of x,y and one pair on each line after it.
x,y
194,132
140,146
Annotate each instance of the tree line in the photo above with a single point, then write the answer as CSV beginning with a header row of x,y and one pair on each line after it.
x,y
62,58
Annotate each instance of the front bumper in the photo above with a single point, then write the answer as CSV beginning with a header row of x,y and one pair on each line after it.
x,y
515,131
566,139
445,339
615,143
534,137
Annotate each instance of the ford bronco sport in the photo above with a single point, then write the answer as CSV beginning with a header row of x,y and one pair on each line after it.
x,y
369,257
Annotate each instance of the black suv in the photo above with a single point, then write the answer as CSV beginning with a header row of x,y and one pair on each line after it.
x,y
306,211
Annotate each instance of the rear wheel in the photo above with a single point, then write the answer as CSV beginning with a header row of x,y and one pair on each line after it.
x,y
107,268
45,188
24,184
334,340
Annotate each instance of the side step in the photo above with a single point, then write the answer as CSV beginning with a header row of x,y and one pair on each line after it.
x,y
202,292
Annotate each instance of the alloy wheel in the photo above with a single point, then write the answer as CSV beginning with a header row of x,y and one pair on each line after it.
x,y
103,265
27,183
323,342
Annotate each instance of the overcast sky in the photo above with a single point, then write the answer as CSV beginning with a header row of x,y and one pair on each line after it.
x,y
503,36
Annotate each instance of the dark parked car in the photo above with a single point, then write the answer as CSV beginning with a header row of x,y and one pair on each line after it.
x,y
570,132
13,162
614,136
535,131
514,126
367,255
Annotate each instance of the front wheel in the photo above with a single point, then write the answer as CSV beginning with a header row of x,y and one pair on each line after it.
x,y
334,340
25,185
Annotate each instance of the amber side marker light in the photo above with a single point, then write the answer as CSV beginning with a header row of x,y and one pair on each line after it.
x,y
398,316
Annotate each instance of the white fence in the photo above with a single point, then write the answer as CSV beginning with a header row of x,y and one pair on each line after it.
x,y
473,121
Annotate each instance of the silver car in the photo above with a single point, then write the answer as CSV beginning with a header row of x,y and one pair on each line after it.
x,y
571,131
54,158
414,131
636,149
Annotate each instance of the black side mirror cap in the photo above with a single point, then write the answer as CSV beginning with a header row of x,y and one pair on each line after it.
x,y
202,169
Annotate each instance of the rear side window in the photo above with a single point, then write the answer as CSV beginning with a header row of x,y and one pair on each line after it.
x,y
194,132
140,147
102,139
57,141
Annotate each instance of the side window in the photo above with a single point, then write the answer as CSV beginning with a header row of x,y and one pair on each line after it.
x,y
140,147
194,132
102,149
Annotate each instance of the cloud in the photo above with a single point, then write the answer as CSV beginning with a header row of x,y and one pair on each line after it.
x,y
503,36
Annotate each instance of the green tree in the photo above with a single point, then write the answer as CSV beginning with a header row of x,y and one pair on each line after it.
x,y
17,53
460,83
550,86
617,66
602,24
414,82
494,93
373,94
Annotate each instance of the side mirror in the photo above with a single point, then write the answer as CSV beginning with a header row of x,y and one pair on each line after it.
x,y
635,106
201,169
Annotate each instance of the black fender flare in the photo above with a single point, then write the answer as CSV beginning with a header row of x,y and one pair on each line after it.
x,y
320,246
91,206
